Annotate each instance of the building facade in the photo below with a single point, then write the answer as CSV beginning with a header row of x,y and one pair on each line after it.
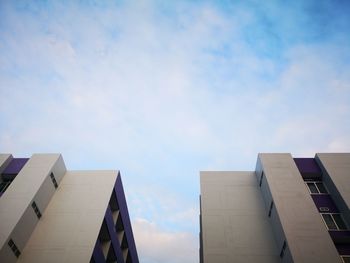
x,y
287,210
51,214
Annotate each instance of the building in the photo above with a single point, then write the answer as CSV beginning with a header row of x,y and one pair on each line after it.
x,y
287,210
51,214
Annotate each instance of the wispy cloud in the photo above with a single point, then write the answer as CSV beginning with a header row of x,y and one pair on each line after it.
x,y
164,246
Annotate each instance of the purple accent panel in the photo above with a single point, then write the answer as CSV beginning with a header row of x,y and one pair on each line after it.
x,y
123,209
343,249
97,254
13,168
308,168
340,237
324,200
113,235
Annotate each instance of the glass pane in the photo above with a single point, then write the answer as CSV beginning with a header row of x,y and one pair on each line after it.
x,y
339,220
312,188
346,259
321,188
329,222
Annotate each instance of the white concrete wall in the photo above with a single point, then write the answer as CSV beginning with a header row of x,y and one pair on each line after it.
x,y
306,235
336,176
235,226
17,218
69,227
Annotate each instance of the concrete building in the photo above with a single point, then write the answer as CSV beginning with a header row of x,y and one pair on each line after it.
x,y
287,210
51,214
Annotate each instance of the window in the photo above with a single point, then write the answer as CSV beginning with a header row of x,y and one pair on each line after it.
x,y
36,210
316,188
261,178
334,221
53,179
270,210
346,259
283,249
14,248
339,221
321,188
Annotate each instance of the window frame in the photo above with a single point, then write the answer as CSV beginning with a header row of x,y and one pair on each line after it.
x,y
344,256
54,181
36,210
14,248
334,221
315,185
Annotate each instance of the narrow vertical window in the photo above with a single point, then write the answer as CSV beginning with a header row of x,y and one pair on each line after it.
x,y
283,249
36,210
261,178
270,210
53,179
14,248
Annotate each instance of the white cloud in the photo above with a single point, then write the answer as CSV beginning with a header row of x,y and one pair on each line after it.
x,y
157,246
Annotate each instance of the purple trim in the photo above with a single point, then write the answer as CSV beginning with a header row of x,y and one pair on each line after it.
x,y
343,249
123,208
308,168
108,225
324,200
340,237
97,254
113,235
13,168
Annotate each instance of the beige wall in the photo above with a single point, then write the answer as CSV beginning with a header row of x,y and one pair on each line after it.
x,y
69,227
17,218
337,166
303,229
336,176
235,225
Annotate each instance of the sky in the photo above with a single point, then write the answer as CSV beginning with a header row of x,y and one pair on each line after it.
x,y
162,90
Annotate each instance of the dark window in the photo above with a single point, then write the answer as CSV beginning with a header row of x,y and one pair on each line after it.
x,y
328,219
53,179
316,188
339,221
283,249
261,178
312,188
111,255
271,206
14,248
321,188
36,210
346,259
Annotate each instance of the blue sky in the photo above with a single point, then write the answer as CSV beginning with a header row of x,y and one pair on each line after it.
x,y
164,89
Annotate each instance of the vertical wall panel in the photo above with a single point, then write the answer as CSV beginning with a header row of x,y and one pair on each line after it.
x,y
336,175
305,234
